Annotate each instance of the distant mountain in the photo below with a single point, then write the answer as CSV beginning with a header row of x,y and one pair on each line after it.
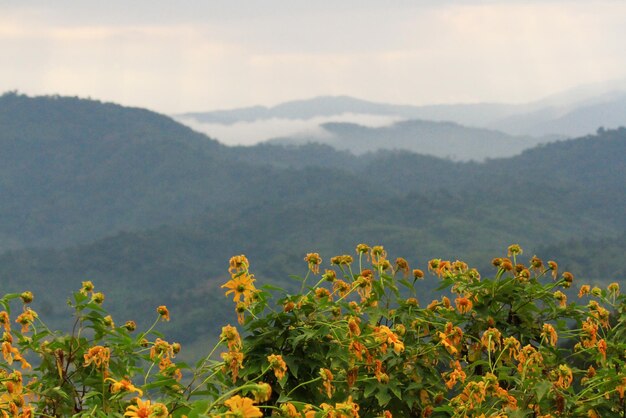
x,y
469,114
439,139
575,112
608,112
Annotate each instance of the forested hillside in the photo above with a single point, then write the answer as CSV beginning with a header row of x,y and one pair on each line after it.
x,y
147,208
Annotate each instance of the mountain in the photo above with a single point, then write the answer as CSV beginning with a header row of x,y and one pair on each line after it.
x,y
608,111
575,112
73,170
470,114
439,139
170,206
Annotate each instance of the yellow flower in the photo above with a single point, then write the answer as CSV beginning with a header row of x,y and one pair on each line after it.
x,y
278,365
242,408
262,392
124,385
241,286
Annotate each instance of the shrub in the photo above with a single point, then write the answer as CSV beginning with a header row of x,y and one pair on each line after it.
x,y
356,343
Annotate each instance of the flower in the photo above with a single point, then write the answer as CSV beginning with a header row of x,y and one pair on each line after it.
x,y
262,392
233,360
463,304
402,265
165,314
549,333
327,382
143,409
278,365
231,336
584,290
5,321
25,319
240,286
237,264
27,297
242,408
98,355
564,377
314,260
491,338
514,249
124,385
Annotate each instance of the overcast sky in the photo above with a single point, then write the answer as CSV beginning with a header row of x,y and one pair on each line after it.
x,y
205,54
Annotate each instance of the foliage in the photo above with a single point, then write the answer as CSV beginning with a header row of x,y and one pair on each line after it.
x,y
355,343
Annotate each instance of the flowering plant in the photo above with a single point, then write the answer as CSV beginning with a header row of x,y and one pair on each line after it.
x,y
355,343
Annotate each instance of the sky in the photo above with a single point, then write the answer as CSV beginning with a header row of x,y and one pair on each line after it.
x,y
201,55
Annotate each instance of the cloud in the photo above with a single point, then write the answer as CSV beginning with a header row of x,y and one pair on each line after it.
x,y
208,55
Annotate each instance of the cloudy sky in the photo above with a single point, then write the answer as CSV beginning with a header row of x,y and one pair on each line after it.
x,y
206,54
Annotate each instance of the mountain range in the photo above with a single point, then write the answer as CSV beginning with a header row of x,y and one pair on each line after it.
x,y
150,210
333,120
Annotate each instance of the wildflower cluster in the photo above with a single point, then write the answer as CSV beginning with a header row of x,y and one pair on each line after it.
x,y
519,341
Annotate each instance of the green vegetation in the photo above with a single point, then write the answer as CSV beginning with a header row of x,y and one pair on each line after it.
x,y
132,200
504,344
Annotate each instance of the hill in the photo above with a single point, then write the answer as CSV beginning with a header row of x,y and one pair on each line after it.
x,y
187,204
439,139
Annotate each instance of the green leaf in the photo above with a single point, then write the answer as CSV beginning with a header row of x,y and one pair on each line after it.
x,y
541,389
383,397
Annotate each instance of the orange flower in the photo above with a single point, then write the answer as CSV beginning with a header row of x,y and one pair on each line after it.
x,y
231,336
289,410
602,348
463,304
550,334
241,286
233,360
237,264
456,374
386,336
564,377
327,382
554,267
124,385
5,321
98,355
584,290
165,314
491,339
314,260
278,365
590,333
25,319
242,408
141,410
347,409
